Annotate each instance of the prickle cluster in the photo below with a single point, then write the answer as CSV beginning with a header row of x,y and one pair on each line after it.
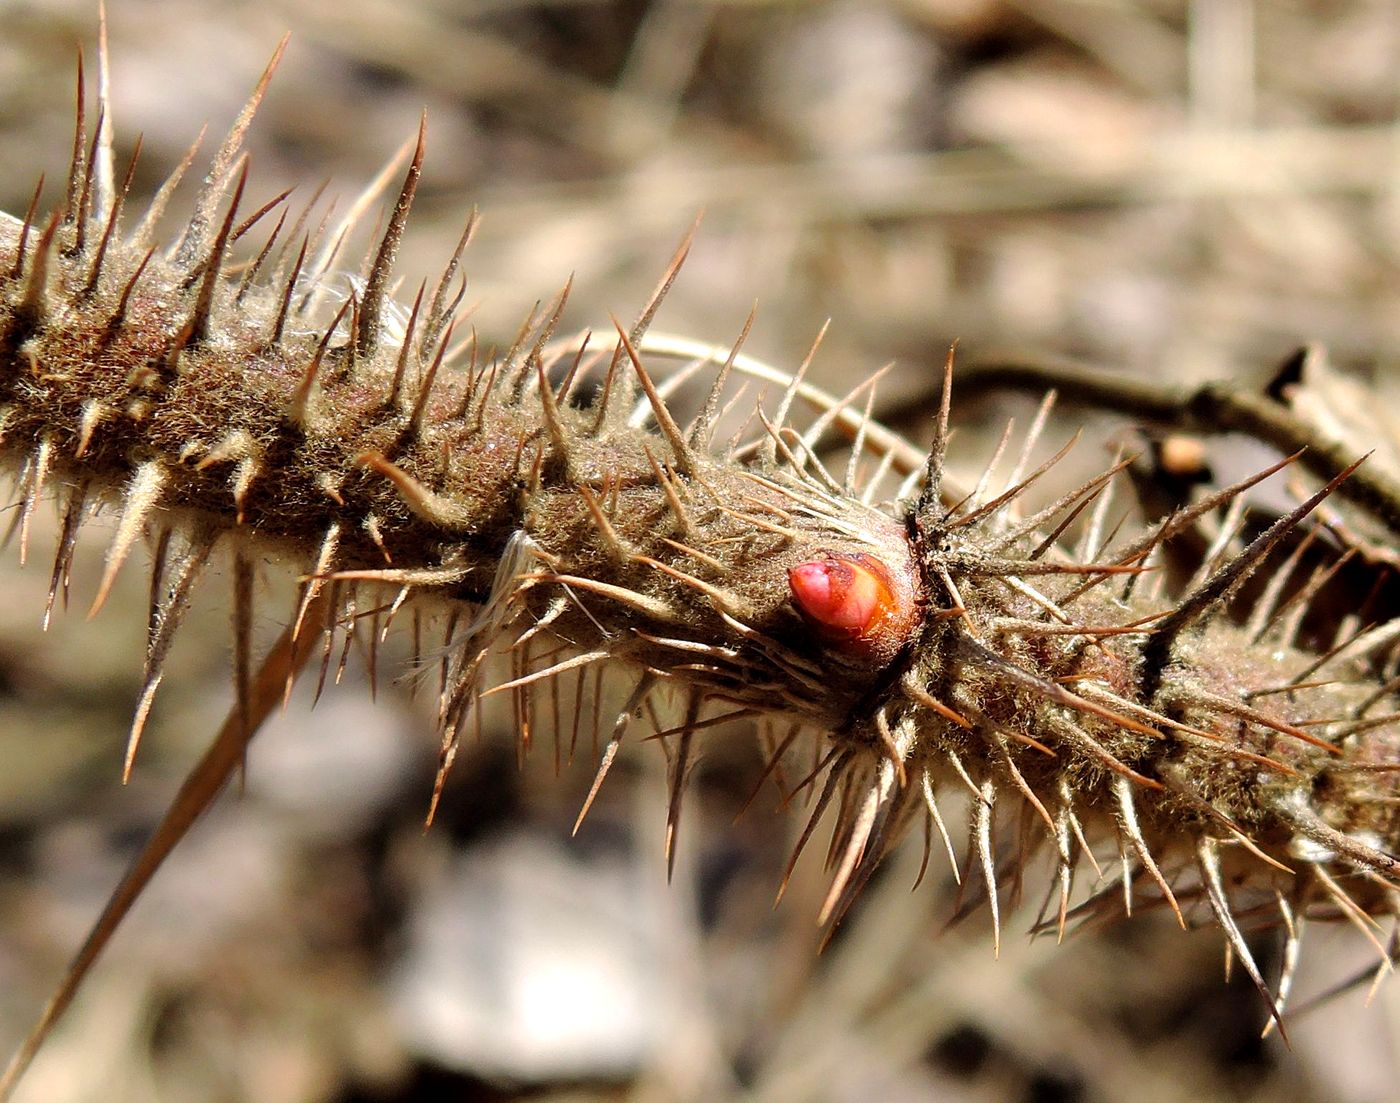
x,y
550,510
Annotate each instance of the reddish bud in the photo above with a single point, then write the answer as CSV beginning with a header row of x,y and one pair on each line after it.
x,y
848,599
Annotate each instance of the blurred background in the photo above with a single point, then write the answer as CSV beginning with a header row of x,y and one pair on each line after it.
x,y
1186,190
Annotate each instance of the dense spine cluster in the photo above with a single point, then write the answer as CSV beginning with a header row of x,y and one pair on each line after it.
x,y
547,505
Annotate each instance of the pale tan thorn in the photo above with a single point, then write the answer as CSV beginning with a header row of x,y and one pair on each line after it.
x,y
1017,626
407,576
35,303
241,483
680,775
432,507
329,485
663,479
425,387
974,500
76,173
1081,740
982,842
300,407
1208,860
851,481
840,410
768,456
169,602
698,647
1267,607
1292,944
507,364
643,603
535,357
405,592
439,312
702,429
893,755
997,738
624,720
34,487
311,586
60,577
1013,492
641,411
1356,915
722,601
680,450
376,533
958,603
110,227
1216,703
850,808
548,672
350,619
907,460
1128,824
920,695
798,466
1033,435
931,803
139,499
835,766
1057,693
772,766
1064,867
201,319
156,209
1076,827
446,759
685,549
327,637
1300,602
103,177
366,336
1095,491
867,833
612,401
733,447
216,182
576,369
234,445
1151,716
616,546
876,479
405,350
25,226
1092,543
758,522
557,607
457,696
549,406
1230,528
94,413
